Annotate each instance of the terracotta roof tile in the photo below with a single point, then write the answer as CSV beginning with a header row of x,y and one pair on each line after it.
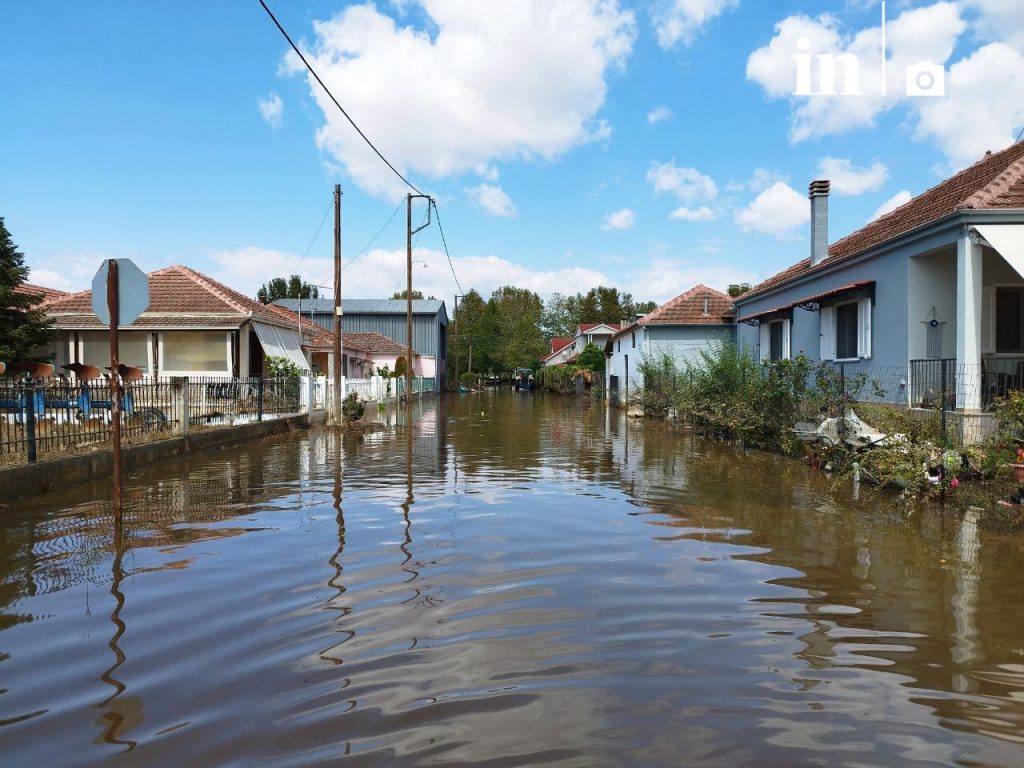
x,y
48,294
374,343
688,309
559,343
176,292
994,182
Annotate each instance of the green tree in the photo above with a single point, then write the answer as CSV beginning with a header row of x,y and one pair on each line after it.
x,y
737,289
415,295
292,288
24,327
558,317
467,330
644,307
512,328
591,358
602,304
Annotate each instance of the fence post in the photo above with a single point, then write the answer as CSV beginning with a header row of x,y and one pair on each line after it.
x,y
179,387
30,421
259,399
942,417
842,402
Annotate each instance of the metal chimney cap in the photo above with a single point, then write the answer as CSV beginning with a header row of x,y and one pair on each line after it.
x,y
820,187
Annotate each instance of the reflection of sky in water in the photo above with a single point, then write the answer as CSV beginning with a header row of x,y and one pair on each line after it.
x,y
544,584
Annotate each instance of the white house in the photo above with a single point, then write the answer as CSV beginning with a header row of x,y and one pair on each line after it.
x,y
683,327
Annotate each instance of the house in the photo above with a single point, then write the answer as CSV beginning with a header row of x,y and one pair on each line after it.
x,y
561,350
193,326
937,284
388,318
691,323
586,333
47,294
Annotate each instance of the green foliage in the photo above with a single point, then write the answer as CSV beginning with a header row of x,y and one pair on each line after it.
x,y
401,367
469,377
292,288
352,408
737,289
24,327
592,359
283,367
562,314
416,295
510,330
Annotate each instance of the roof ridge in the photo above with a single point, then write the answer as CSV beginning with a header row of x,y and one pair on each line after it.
x,y
219,290
662,309
998,186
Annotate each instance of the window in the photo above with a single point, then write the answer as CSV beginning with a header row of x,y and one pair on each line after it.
x,y
774,340
634,340
132,349
187,351
846,330
620,346
1009,320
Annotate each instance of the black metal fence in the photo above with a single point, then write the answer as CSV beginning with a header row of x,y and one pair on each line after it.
x,y
54,416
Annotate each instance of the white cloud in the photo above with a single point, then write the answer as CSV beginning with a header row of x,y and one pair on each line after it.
x,y
272,109
848,179
776,211
74,271
761,179
420,93
1000,20
983,107
679,20
493,200
624,218
693,214
688,184
659,114
917,35
664,278
891,204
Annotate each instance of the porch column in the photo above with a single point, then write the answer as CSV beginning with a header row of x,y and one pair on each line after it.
x,y
968,323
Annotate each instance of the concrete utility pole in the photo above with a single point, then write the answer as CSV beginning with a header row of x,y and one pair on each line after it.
x,y
409,232
336,404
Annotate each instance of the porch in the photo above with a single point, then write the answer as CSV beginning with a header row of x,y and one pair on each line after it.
x,y
965,319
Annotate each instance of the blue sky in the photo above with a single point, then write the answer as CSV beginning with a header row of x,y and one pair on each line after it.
x,y
644,145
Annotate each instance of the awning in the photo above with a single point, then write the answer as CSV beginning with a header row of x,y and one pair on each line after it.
x,y
281,342
1008,239
812,303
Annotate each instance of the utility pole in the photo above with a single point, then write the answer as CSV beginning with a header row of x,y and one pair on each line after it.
x,y
409,232
114,308
336,404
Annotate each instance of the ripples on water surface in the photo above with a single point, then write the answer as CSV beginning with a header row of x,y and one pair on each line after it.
x,y
548,586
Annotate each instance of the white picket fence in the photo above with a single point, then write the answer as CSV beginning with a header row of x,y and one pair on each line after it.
x,y
319,390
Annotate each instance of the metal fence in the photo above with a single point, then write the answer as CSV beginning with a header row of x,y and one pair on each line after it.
x,y
45,418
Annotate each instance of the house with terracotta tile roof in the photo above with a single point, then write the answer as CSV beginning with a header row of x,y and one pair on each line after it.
x,y
193,326
47,294
683,327
941,278
586,333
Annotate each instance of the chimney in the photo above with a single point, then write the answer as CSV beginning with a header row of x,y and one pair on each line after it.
x,y
819,220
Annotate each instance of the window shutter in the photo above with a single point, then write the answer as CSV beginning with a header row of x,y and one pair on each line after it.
x,y
765,345
864,328
785,339
988,316
828,333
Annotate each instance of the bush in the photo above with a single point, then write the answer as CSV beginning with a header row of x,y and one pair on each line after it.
x,y
282,367
352,408
401,367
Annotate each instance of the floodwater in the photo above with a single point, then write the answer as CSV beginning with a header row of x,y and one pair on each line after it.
x,y
515,580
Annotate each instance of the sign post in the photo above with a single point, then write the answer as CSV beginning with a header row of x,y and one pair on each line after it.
x,y
120,293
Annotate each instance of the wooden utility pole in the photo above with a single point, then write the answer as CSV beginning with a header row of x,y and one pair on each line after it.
x,y
409,232
114,308
408,299
458,381
336,404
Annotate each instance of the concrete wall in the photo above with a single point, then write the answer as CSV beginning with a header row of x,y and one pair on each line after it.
x,y
685,343
31,479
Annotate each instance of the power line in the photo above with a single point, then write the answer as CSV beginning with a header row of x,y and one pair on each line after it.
x,y
316,234
440,229
336,102
374,238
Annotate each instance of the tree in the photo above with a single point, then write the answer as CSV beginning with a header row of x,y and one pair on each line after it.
x,y
558,318
512,328
601,304
737,289
467,329
24,327
401,367
415,295
292,288
591,358
645,307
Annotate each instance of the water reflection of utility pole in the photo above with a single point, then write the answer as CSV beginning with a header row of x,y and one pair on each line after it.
x,y
115,719
335,561
966,649
408,493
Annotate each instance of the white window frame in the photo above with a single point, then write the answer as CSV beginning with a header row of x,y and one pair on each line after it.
x,y
765,339
830,330
226,373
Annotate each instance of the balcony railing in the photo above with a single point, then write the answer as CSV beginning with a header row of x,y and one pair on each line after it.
x,y
938,381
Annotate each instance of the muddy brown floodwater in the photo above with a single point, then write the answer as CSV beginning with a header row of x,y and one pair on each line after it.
x,y
515,580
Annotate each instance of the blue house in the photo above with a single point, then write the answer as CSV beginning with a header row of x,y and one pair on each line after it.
x,y
936,287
